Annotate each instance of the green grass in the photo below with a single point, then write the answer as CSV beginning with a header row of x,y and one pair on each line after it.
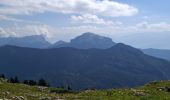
x,y
148,92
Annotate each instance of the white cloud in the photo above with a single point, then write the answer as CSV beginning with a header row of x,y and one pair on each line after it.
x,y
7,18
153,27
119,30
16,20
27,30
98,7
2,32
6,32
90,19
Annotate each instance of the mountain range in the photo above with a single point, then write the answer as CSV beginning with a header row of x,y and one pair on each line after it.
x,y
35,41
87,61
160,53
86,41
118,66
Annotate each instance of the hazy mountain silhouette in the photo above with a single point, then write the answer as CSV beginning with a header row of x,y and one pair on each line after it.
x,y
160,53
86,41
118,66
59,44
35,41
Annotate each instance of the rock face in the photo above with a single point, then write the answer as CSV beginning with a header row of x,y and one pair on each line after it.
x,y
86,41
118,66
35,41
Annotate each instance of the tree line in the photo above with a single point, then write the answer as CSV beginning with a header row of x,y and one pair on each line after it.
x,y
40,82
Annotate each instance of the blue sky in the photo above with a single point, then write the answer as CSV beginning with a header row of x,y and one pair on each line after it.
x,y
140,23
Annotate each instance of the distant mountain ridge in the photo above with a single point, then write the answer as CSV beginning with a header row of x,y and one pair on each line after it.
x,y
86,41
34,41
160,53
118,66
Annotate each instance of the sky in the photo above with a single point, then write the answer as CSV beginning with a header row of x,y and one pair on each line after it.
x,y
140,23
